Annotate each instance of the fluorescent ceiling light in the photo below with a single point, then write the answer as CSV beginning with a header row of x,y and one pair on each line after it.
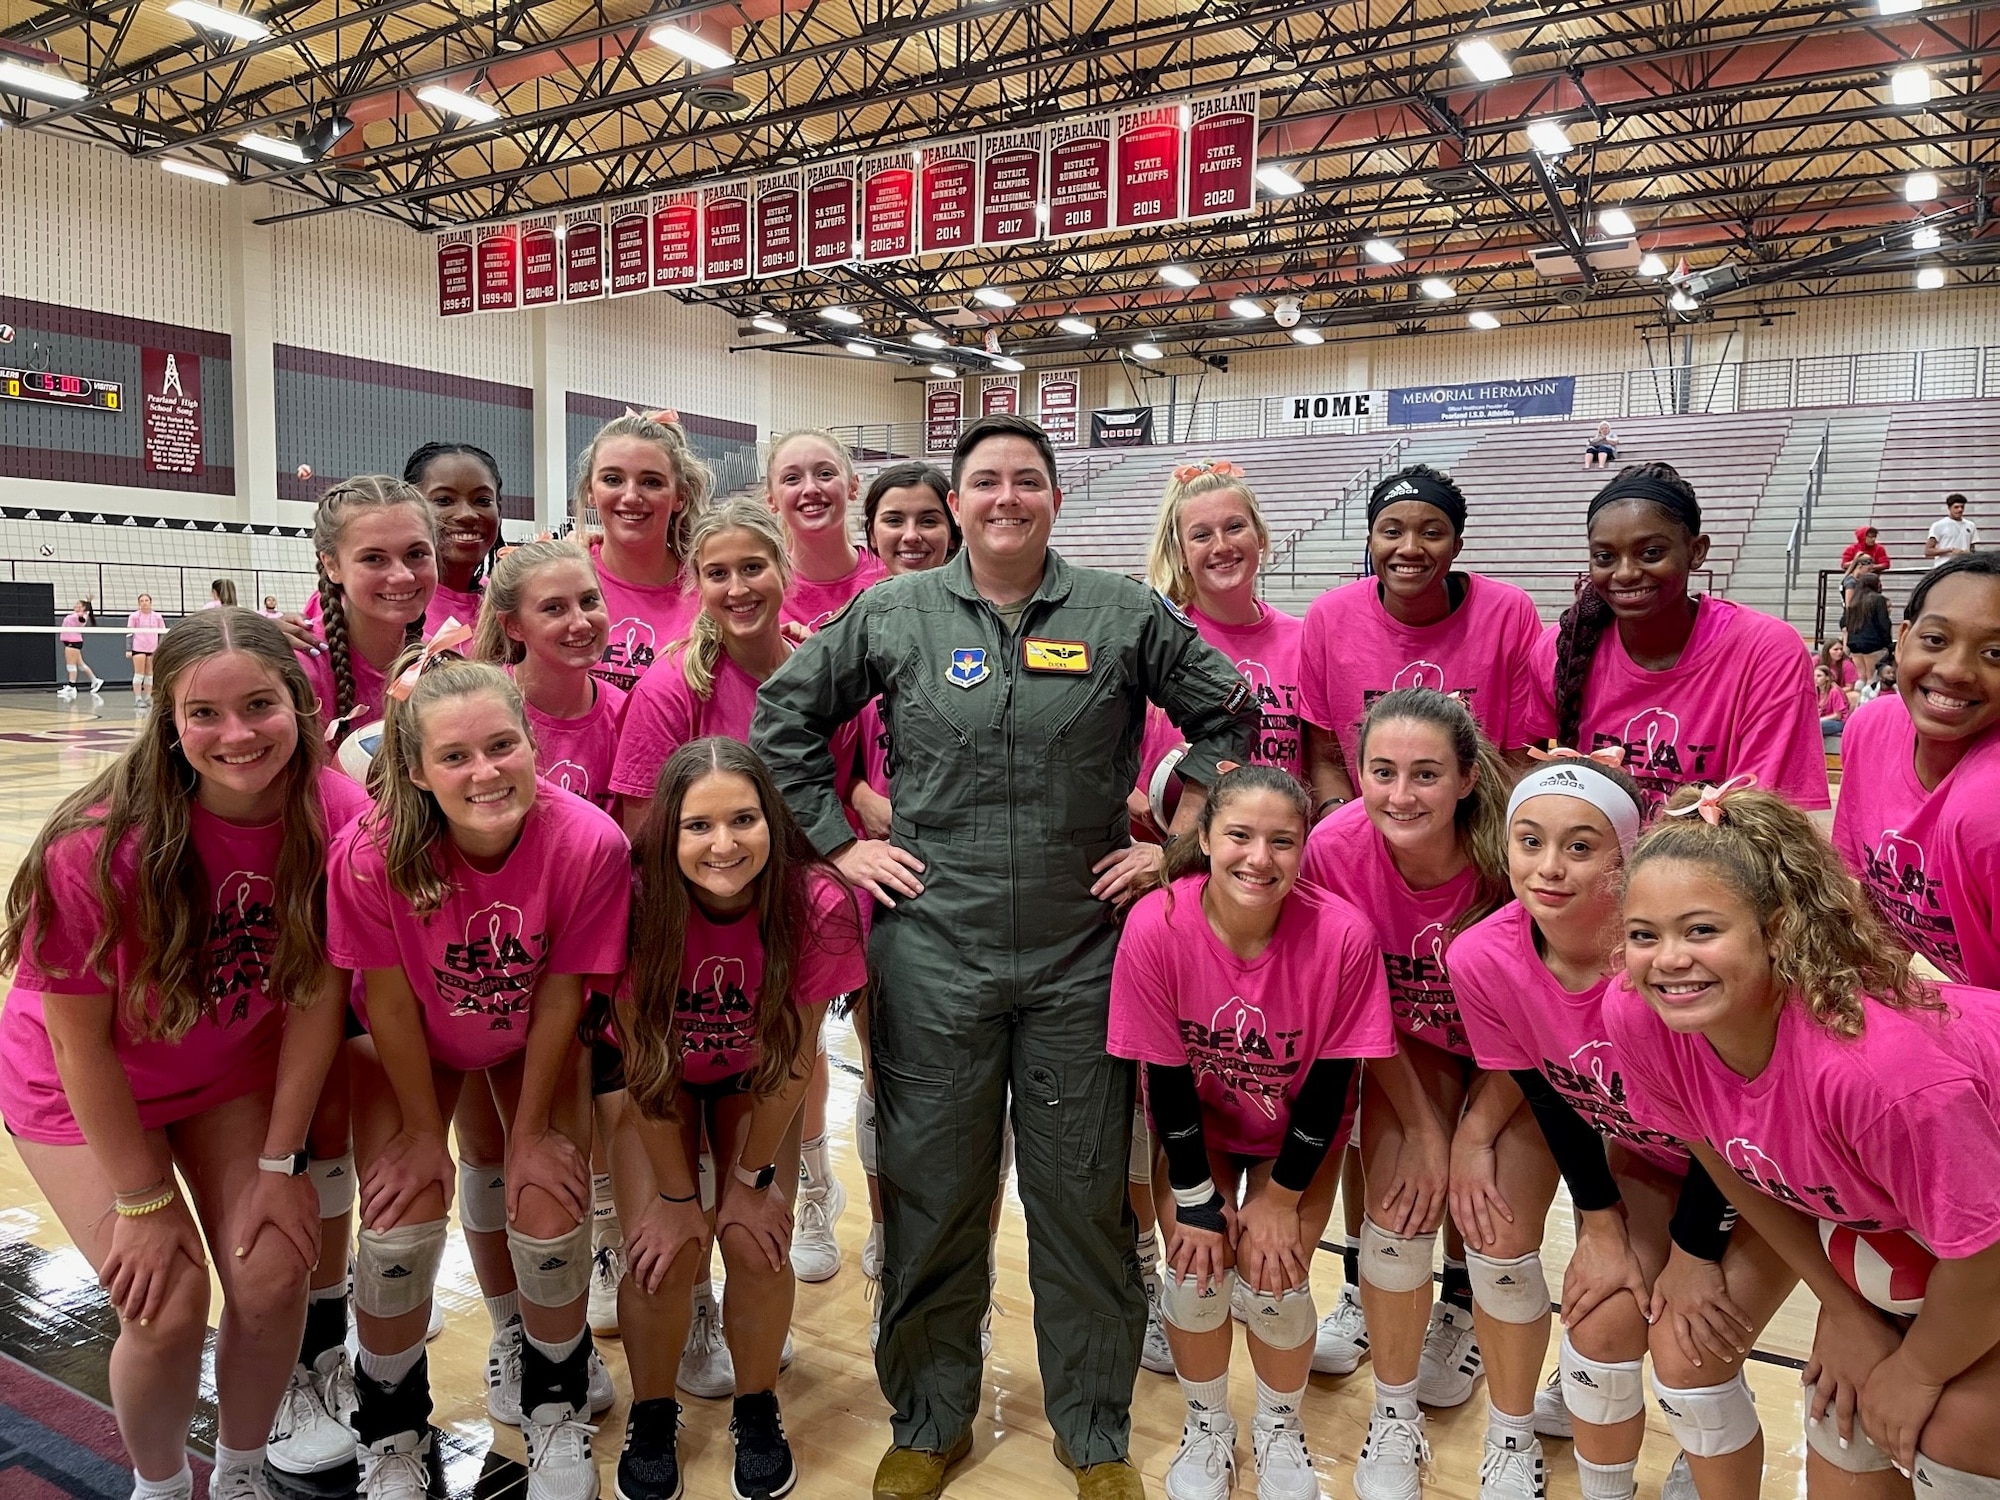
x,y
1652,265
19,80
768,323
1925,237
1247,307
855,346
1548,137
1382,252
1682,302
1278,182
197,172
1077,326
213,18
993,296
1930,278
1437,288
1011,366
1921,187
1911,85
1179,276
1482,319
1041,213
1898,7
944,372
1146,351
272,146
1616,221
1304,335
845,316
1484,61
465,106
696,49
924,340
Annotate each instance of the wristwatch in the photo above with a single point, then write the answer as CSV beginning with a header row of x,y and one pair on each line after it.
x,y
292,1164
758,1180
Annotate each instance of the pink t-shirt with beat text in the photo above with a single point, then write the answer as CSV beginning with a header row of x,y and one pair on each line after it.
x,y
1354,651
722,970
645,620
1896,1129
578,754
558,905
1345,855
229,1053
1930,861
1250,1029
1739,700
1518,1015
812,602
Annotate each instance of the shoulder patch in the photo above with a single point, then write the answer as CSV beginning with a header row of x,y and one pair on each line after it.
x,y
1175,610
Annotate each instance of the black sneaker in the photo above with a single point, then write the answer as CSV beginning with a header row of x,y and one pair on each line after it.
x,y
764,1467
650,1466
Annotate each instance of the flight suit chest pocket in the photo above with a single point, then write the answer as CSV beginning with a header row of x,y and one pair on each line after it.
x,y
932,721
1088,723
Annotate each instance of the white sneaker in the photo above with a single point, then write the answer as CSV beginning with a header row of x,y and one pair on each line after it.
x,y
1551,1411
815,1252
602,1393
246,1483
871,1252
1679,1483
503,1374
96,688
436,1324
607,1269
1204,1466
66,692
1510,1473
1391,1455
1451,1362
333,1372
706,1368
560,1466
1343,1337
1155,1353
1284,1468
396,1468
305,1436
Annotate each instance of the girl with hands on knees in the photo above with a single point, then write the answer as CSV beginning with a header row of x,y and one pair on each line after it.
x,y
173,1012
1847,1109
741,936
476,900
1655,1264
1249,999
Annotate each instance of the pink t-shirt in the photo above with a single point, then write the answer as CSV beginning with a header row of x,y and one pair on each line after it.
x,y
450,604
1930,861
72,628
1740,699
229,1053
812,602
1833,705
1345,855
1354,651
1250,1029
722,969
1518,1015
577,754
559,905
664,713
645,620
1893,1130
369,683
146,629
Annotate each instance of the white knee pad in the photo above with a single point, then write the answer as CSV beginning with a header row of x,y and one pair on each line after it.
x,y
1513,1291
482,1198
1394,1262
335,1182
551,1273
704,1181
1601,1394
1194,1311
1860,1456
1285,1321
864,1134
1709,1421
395,1270
1936,1481
1139,1163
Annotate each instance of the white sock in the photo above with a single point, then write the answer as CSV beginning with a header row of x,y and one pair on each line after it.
x,y
389,1369
555,1353
1396,1400
602,1205
1272,1403
238,1458
1149,1249
1501,1426
504,1310
812,1160
180,1487
1206,1395
1607,1481
704,1291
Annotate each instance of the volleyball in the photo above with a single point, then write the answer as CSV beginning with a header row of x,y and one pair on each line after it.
x,y
357,751
46,550
305,471
1888,1267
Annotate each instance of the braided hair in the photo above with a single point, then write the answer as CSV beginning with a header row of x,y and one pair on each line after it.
x,y
414,468
1583,624
330,518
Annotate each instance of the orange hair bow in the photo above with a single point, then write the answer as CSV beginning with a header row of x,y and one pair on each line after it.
x,y
1609,755
1220,466
446,636
666,416
1708,807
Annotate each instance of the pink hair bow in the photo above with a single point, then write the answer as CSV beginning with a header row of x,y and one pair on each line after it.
x,y
446,636
1608,755
1709,805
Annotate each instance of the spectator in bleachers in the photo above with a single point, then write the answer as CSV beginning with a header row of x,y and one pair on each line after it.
x,y
1953,535
1833,656
1833,706
1881,680
1865,551
1602,450
1864,622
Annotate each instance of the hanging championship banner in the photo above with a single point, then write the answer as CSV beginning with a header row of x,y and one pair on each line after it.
x,y
948,195
541,261
944,414
725,232
631,248
777,224
1080,176
1058,404
1222,155
830,227
1010,186
454,273
999,395
676,238
583,254
888,206
1147,169
496,254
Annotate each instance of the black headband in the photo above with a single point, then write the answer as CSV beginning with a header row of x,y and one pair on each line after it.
x,y
1674,500
1418,487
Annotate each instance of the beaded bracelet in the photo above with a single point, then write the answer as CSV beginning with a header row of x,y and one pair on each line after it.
x,y
152,1206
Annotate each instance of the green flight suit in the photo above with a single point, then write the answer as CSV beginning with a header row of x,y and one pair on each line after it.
x,y
1011,754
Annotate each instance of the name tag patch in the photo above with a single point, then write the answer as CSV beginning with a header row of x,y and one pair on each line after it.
x,y
1055,656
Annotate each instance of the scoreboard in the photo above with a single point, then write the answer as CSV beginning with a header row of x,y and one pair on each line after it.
x,y
61,390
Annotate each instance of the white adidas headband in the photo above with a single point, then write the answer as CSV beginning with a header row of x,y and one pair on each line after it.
x,y
1569,780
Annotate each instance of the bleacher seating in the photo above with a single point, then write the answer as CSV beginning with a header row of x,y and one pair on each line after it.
x,y
1934,449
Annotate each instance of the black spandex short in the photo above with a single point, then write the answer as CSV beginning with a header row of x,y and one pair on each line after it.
x,y
721,1088
607,1068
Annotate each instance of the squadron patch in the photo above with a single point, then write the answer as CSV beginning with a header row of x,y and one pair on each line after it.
x,y
968,667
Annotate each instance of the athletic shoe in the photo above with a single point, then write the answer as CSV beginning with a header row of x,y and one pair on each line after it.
x,y
815,1252
333,1372
560,1466
1284,1468
1342,1337
1679,1483
436,1324
1551,1411
602,1393
871,1252
66,692
1156,1354
706,1368
246,1483
305,1436
1508,1472
96,688
649,1468
1204,1466
1451,1362
503,1375
607,1269
764,1468
1391,1455
396,1468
